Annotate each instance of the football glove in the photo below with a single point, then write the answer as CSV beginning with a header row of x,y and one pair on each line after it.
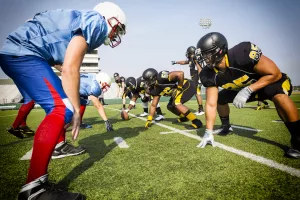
x,y
109,126
149,121
177,92
208,138
127,110
173,62
242,97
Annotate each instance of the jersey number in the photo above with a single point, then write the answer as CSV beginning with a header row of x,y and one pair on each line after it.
x,y
238,83
255,52
166,91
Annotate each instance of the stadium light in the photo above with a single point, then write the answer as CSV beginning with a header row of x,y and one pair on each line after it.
x,y
205,23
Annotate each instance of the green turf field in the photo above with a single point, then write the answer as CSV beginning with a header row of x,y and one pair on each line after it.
x,y
164,166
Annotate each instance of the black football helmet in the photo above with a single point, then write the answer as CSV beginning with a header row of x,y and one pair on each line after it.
x,y
131,83
213,47
190,51
116,75
150,77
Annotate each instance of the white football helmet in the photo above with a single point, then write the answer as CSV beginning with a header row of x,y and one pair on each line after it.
x,y
104,80
116,22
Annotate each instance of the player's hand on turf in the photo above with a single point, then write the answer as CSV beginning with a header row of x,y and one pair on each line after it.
x,y
109,126
149,121
242,97
76,121
208,138
173,62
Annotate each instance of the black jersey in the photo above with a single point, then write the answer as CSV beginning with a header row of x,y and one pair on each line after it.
x,y
120,81
164,86
140,86
240,62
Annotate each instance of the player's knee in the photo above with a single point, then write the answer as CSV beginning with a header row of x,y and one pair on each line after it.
x,y
170,107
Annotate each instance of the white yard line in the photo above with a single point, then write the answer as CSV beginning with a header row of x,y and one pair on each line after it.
x,y
27,156
121,142
256,158
278,121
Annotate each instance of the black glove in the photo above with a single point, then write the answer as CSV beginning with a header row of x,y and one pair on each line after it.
x,y
109,126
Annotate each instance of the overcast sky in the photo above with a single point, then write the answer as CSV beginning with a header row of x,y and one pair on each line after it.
x,y
161,30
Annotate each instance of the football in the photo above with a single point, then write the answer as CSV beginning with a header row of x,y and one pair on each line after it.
x,y
124,115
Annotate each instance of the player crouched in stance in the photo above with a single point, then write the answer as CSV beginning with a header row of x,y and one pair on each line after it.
x,y
195,69
92,86
137,88
246,75
170,84
27,59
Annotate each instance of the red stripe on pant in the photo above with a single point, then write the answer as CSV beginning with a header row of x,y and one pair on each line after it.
x,y
46,137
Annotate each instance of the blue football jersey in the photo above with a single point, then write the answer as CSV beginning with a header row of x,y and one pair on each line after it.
x,y
48,34
89,85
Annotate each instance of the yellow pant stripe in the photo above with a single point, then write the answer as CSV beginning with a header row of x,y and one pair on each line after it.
x,y
286,86
178,98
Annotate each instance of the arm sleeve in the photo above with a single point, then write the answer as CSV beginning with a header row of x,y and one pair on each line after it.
x,y
93,28
207,77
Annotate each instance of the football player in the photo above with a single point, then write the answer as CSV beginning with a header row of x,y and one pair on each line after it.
x,y
137,88
174,85
195,69
92,86
245,75
120,81
56,37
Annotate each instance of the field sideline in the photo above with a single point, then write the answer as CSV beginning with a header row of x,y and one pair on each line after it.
x,y
163,162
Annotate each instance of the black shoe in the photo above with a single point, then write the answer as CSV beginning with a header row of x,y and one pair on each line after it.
x,y
224,130
16,132
85,126
182,119
67,150
26,130
293,153
41,189
196,123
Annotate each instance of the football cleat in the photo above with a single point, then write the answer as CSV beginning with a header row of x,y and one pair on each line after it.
x,y
67,150
144,114
223,131
159,117
41,189
85,126
293,153
200,112
26,130
16,132
258,108
196,123
266,106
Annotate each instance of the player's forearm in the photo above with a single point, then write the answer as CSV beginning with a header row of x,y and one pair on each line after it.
x,y
152,109
99,107
264,81
70,83
181,62
210,115
180,78
132,103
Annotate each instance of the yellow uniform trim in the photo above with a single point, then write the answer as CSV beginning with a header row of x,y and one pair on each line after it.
x,y
178,98
286,86
191,116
